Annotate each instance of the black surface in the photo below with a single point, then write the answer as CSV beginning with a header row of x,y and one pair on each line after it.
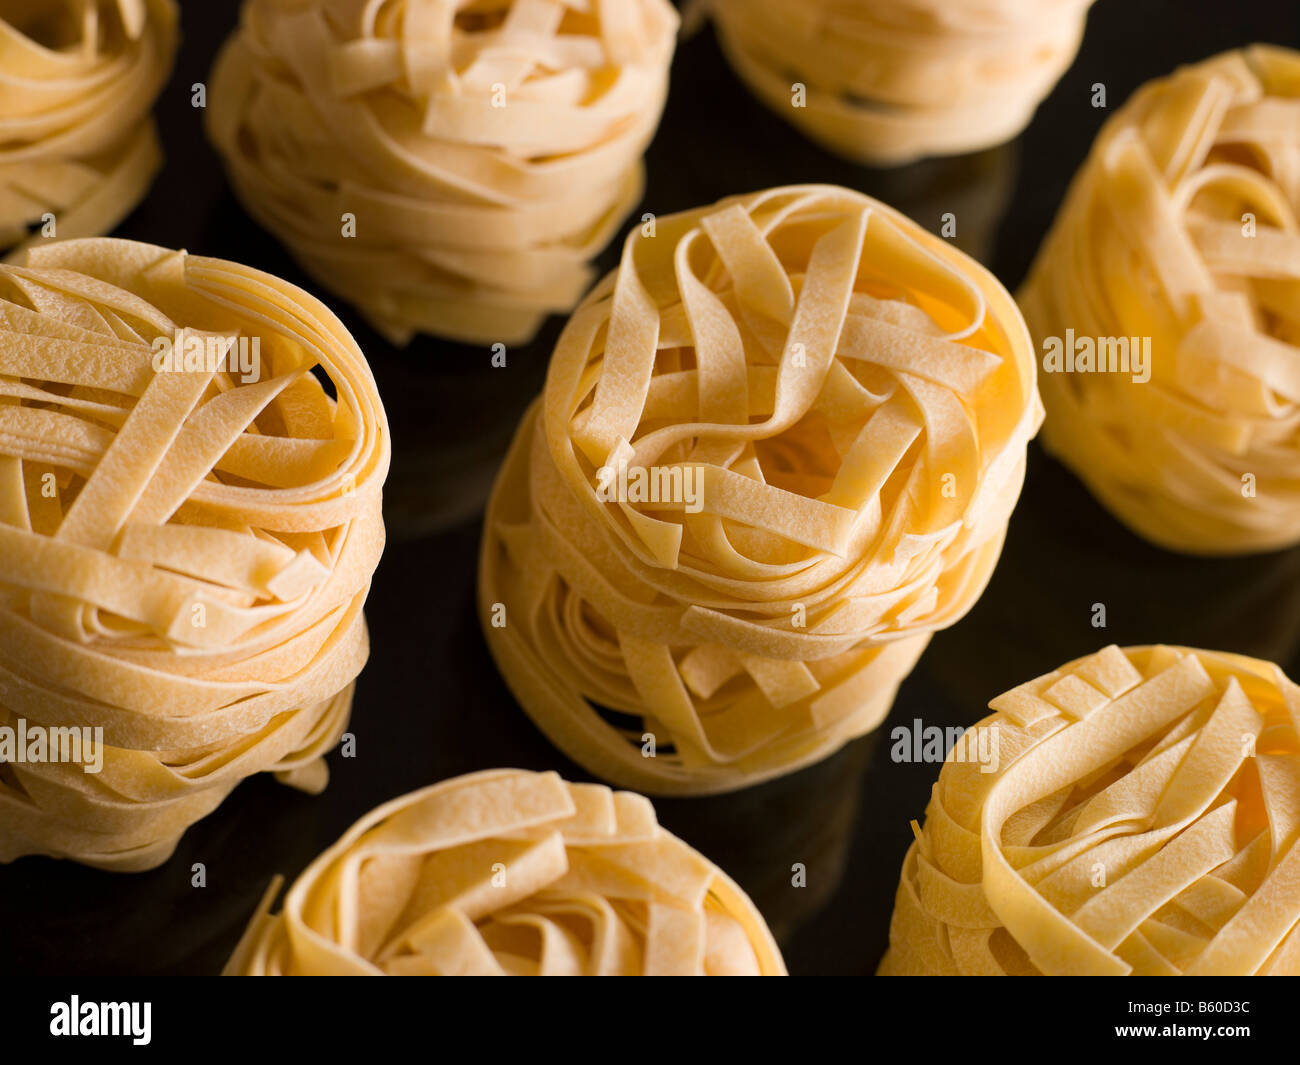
x,y
430,705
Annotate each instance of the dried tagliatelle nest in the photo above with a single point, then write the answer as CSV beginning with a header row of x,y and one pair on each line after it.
x,y
510,873
188,525
889,81
777,448
1167,302
447,166
78,151
1134,811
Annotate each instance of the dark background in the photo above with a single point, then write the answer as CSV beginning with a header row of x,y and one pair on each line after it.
x,y
430,705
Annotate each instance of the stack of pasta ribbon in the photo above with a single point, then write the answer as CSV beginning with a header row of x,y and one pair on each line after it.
x,y
508,872
1181,232
827,411
484,150
888,81
1140,815
78,80
185,546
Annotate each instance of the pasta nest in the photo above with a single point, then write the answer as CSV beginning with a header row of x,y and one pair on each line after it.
x,y
507,872
826,410
888,81
484,150
1180,236
1139,816
76,142
189,521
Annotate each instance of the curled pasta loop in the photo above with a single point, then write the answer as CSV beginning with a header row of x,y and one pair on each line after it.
x,y
77,82
507,872
1180,236
827,411
188,526
1139,816
886,82
448,166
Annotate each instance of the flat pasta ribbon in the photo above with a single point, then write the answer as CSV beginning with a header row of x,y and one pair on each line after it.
x,y
889,81
507,872
1140,817
1179,238
77,82
484,150
777,448
188,527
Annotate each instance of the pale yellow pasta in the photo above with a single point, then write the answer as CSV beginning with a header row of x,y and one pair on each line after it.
x,y
1140,818
507,872
186,542
888,81
1180,238
835,406
447,166
78,150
